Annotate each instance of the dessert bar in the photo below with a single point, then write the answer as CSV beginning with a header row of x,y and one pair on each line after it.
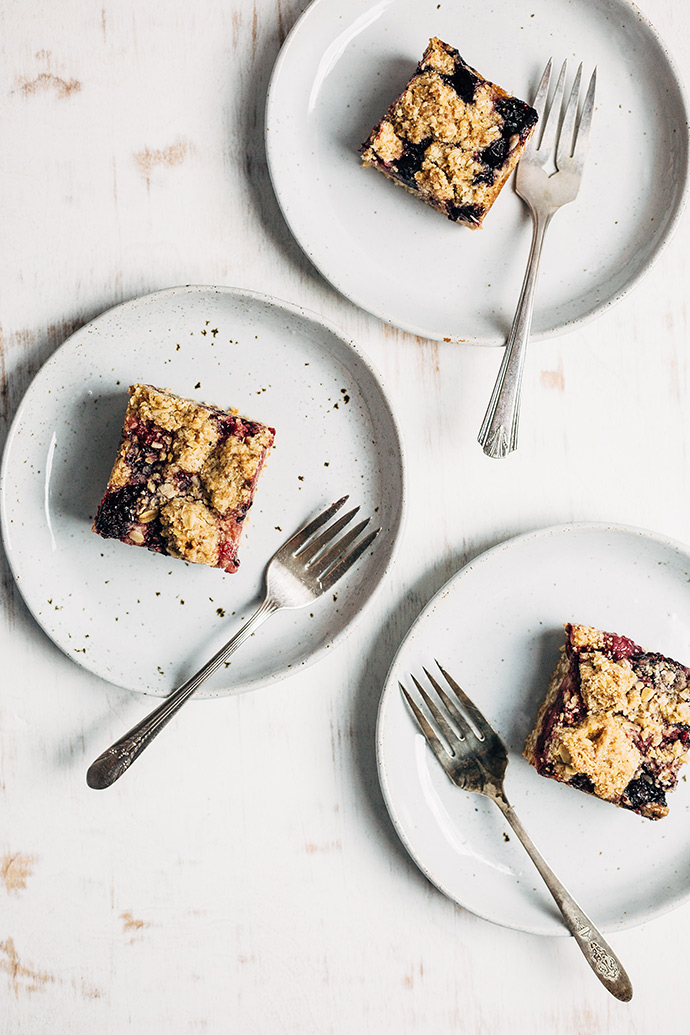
x,y
615,721
184,478
452,138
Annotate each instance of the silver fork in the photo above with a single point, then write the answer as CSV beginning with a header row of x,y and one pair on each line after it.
x,y
304,568
475,758
544,192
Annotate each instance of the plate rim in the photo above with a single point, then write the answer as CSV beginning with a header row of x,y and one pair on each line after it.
x,y
680,200
486,555
296,310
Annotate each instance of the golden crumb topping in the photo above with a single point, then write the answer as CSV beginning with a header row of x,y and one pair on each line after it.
x,y
191,530
586,636
167,410
192,445
605,684
439,56
386,143
228,474
431,110
429,107
602,748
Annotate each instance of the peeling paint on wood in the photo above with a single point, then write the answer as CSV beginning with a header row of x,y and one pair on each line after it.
x,y
148,159
46,82
15,870
129,922
23,978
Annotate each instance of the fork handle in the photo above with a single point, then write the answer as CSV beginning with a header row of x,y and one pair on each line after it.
x,y
499,430
598,953
110,766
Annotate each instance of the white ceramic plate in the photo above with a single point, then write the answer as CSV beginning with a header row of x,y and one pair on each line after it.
x,y
341,67
497,627
147,622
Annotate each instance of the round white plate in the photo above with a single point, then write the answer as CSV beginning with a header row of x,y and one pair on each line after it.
x,y
497,626
343,64
147,622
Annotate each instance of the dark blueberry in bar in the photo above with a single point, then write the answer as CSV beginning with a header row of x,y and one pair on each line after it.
x,y
495,154
464,80
642,791
410,162
582,783
471,214
118,512
517,116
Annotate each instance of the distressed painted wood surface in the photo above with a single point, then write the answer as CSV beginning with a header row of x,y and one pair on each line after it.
x,y
206,895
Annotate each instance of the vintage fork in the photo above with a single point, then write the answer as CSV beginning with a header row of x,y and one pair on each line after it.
x,y
544,193
475,758
304,568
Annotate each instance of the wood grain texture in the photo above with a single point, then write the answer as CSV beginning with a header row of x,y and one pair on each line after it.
x,y
206,892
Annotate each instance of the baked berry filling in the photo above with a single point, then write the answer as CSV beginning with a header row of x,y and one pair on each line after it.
x,y
471,215
464,80
518,117
410,162
615,721
118,512
452,138
184,478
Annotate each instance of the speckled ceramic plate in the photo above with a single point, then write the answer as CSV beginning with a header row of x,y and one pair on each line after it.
x,y
343,64
147,622
497,627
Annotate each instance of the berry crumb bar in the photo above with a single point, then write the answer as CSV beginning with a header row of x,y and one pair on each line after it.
x,y
615,721
452,138
184,478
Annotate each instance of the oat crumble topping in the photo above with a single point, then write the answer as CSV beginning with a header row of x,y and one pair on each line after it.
x,y
451,137
190,531
184,477
615,721
601,748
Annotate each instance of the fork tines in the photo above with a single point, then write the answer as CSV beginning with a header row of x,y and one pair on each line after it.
x,y
449,713
562,131
325,555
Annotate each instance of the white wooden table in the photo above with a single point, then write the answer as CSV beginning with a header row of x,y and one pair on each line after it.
x,y
211,895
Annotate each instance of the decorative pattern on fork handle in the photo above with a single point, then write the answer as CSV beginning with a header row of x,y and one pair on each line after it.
x,y
604,962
